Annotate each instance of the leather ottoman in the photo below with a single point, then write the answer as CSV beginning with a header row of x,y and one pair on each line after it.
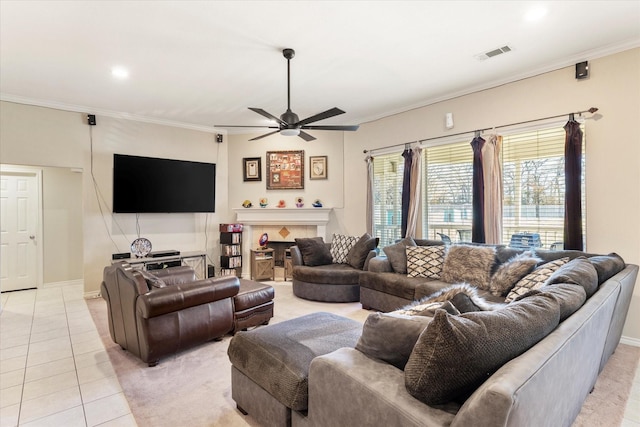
x,y
253,305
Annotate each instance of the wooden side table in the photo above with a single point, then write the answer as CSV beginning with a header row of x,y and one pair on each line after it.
x,y
262,264
288,265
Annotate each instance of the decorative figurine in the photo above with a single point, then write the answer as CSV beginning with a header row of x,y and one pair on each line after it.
x,y
299,202
264,202
263,241
247,204
282,204
317,203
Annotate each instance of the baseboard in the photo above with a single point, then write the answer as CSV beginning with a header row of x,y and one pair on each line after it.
x,y
630,341
91,295
75,282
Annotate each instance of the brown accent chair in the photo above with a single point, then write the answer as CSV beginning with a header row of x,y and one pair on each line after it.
x,y
157,314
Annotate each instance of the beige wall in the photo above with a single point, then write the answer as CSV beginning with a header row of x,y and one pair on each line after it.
x,y
612,150
48,137
330,191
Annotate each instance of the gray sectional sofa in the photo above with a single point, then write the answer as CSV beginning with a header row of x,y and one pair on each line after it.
x,y
542,378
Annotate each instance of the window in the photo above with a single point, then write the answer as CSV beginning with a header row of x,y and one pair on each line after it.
x,y
533,182
448,191
387,198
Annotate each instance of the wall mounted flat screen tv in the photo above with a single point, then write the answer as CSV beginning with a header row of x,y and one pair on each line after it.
x,y
152,185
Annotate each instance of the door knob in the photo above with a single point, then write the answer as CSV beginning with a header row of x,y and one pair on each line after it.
x,y
32,237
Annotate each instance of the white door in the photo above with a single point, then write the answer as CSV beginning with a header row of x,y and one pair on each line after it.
x,y
19,192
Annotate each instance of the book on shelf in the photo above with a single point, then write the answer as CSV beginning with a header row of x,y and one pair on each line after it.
x,y
227,272
231,250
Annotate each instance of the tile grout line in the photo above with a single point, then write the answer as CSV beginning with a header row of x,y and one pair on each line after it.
x,y
73,355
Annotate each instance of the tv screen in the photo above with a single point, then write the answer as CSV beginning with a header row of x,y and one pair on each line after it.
x,y
152,185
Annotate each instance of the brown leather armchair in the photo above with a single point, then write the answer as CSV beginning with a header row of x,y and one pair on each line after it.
x,y
153,315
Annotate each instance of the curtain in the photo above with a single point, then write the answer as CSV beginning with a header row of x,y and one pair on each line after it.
x,y
369,209
492,176
477,225
406,190
572,177
414,197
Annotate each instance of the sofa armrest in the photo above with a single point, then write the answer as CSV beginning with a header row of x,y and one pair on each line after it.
x,y
178,297
348,388
380,264
296,255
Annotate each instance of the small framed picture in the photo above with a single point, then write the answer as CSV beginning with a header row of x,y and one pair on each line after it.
x,y
252,168
317,167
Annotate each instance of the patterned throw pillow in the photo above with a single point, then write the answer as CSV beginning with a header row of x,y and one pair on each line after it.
x,y
340,247
536,279
425,261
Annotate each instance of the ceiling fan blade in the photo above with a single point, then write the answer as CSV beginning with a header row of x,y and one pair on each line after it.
x,y
264,136
248,126
268,115
306,136
331,127
321,116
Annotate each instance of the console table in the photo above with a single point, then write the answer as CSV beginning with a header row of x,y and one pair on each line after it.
x,y
195,260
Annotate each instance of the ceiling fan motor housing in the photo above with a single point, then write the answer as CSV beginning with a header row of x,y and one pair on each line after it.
x,y
289,117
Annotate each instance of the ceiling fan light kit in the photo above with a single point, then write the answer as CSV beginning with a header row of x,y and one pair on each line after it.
x,y
288,123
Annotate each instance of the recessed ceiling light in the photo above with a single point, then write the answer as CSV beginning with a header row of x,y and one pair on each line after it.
x,y
120,72
535,13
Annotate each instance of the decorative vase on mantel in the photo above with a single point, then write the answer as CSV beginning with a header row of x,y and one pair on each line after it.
x,y
299,202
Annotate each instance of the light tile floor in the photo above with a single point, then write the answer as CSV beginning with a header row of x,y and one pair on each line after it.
x,y
54,370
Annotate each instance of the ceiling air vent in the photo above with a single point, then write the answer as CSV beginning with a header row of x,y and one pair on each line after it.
x,y
493,53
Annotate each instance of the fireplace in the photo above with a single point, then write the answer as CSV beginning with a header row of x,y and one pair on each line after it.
x,y
283,225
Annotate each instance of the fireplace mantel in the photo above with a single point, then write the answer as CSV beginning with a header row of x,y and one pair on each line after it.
x,y
284,216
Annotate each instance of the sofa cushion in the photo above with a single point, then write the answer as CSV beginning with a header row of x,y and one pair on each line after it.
x,y
340,247
425,261
536,279
569,297
399,285
607,266
390,337
578,271
455,354
469,264
314,251
510,272
397,254
357,256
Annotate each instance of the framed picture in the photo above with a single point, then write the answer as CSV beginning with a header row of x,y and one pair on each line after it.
x,y
252,170
285,170
317,167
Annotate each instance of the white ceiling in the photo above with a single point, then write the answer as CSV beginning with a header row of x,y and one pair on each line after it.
x,y
200,63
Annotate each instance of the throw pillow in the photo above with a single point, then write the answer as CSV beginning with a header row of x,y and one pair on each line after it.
x,y
425,261
607,266
510,272
455,354
390,337
340,247
397,254
314,251
536,279
578,271
469,264
570,297
357,256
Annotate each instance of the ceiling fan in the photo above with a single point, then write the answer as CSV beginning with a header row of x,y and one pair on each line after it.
x,y
288,123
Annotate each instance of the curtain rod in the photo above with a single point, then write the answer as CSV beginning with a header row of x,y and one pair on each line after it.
x,y
571,116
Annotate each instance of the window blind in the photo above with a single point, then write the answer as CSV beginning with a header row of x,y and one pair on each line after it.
x,y
448,191
387,197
